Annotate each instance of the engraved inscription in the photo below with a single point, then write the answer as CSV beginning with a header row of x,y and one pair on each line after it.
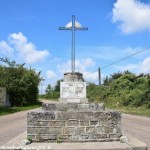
x,y
73,90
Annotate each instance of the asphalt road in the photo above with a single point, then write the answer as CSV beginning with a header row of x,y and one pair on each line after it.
x,y
137,126
14,124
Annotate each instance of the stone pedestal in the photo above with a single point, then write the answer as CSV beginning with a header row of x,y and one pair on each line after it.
x,y
73,88
73,122
73,119
73,77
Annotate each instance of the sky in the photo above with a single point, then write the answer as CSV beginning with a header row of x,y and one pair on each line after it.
x,y
116,29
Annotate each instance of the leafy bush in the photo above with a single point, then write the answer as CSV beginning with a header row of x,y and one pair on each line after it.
x,y
52,93
21,83
122,89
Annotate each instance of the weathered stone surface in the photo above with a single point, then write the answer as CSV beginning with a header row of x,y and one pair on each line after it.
x,y
60,115
4,98
90,130
81,115
101,136
84,123
94,123
80,130
100,129
48,123
65,138
113,136
43,137
47,106
74,123
56,123
69,130
40,115
73,77
108,129
73,107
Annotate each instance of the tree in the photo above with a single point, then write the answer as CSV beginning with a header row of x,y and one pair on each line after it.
x,y
21,83
122,89
116,75
49,89
106,80
57,86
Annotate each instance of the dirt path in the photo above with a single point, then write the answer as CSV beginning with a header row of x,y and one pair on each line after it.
x,y
14,124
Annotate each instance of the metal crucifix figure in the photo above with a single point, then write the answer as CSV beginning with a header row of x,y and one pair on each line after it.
x,y
73,26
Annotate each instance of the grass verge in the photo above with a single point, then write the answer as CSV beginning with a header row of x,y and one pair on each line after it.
x,y
132,110
10,110
48,99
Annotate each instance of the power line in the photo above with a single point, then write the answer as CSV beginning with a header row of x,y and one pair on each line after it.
x,y
90,73
120,60
126,58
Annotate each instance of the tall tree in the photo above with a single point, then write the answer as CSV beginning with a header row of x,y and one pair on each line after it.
x,y
57,86
49,89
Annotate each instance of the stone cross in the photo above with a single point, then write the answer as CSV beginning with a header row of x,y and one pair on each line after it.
x,y
73,26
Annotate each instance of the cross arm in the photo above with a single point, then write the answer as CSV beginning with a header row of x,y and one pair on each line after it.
x,y
81,28
64,28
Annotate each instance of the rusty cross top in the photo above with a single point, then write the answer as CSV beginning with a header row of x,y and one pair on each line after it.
x,y
73,26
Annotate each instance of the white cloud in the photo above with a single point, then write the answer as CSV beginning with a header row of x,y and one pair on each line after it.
x,y
51,74
145,65
26,50
91,76
130,67
5,48
88,62
132,15
17,38
140,67
81,65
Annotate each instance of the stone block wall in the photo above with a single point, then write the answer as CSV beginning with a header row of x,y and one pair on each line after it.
x,y
73,124
4,98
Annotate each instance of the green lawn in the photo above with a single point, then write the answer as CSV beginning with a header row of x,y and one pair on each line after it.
x,y
10,110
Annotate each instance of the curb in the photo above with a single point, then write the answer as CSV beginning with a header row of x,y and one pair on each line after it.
x,y
133,144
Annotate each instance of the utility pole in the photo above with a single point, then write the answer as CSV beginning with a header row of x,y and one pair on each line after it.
x,y
99,75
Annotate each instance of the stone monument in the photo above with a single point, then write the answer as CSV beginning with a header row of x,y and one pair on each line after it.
x,y
73,119
73,87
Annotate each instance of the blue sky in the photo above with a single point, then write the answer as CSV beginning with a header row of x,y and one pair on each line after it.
x,y
117,28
